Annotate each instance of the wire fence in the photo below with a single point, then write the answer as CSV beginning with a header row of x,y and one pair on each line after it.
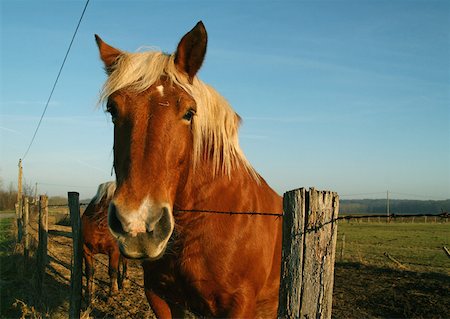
x,y
55,256
442,215
53,235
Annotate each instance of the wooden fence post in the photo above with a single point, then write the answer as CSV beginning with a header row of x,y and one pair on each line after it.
x,y
20,221
76,271
26,215
292,254
309,244
42,248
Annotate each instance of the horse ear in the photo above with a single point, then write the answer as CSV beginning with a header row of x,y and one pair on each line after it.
x,y
108,54
191,51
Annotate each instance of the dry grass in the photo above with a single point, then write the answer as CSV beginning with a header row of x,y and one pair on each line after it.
x,y
20,299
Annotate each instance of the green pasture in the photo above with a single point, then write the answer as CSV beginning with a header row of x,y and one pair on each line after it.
x,y
5,234
416,246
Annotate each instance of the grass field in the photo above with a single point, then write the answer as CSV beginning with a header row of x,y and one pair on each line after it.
x,y
415,283
5,235
417,246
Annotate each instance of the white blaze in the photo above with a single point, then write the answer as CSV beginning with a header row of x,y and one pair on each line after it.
x,y
160,89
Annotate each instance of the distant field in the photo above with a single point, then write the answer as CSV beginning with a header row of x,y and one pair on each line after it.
x,y
417,246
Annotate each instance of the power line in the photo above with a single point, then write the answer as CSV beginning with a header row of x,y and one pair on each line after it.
x,y
56,80
362,194
423,197
428,197
72,186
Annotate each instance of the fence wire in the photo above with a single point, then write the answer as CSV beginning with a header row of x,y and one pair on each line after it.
x,y
53,255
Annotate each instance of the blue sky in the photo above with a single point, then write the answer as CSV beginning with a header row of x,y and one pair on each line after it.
x,y
351,96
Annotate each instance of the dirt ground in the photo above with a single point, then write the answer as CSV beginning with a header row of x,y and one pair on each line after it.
x,y
364,291
19,298
360,291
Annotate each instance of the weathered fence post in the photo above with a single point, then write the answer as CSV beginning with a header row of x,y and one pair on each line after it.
x,y
309,244
42,248
20,221
76,271
26,215
291,259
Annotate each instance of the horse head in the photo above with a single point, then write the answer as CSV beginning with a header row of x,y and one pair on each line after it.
x,y
149,96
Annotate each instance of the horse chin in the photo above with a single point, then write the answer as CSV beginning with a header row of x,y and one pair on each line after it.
x,y
142,246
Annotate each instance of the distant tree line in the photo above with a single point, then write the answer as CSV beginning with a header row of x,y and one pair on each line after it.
x,y
8,196
396,206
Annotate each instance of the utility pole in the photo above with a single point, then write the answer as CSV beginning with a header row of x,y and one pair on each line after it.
x,y
387,205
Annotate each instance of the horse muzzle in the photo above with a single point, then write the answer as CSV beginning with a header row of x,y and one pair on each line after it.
x,y
142,233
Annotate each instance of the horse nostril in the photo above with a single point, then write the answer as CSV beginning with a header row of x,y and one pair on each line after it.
x,y
152,222
165,222
113,221
160,222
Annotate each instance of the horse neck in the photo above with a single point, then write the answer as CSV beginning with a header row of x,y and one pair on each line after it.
x,y
238,192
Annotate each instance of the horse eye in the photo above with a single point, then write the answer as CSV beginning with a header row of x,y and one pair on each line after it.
x,y
189,115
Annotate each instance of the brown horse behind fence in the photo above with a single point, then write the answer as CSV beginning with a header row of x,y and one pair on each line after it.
x,y
176,149
97,239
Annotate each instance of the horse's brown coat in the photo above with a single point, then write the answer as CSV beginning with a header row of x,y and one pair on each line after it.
x,y
97,239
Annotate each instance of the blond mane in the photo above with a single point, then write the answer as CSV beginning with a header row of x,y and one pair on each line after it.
x,y
215,127
104,191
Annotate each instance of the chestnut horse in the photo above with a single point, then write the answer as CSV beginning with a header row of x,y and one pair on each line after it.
x,y
178,163
97,239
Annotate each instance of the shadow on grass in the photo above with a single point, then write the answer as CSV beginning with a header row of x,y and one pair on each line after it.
x,y
18,283
365,291
54,232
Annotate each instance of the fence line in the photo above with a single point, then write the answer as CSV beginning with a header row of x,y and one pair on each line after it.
x,y
49,238
252,213
43,252
209,211
310,229
349,217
